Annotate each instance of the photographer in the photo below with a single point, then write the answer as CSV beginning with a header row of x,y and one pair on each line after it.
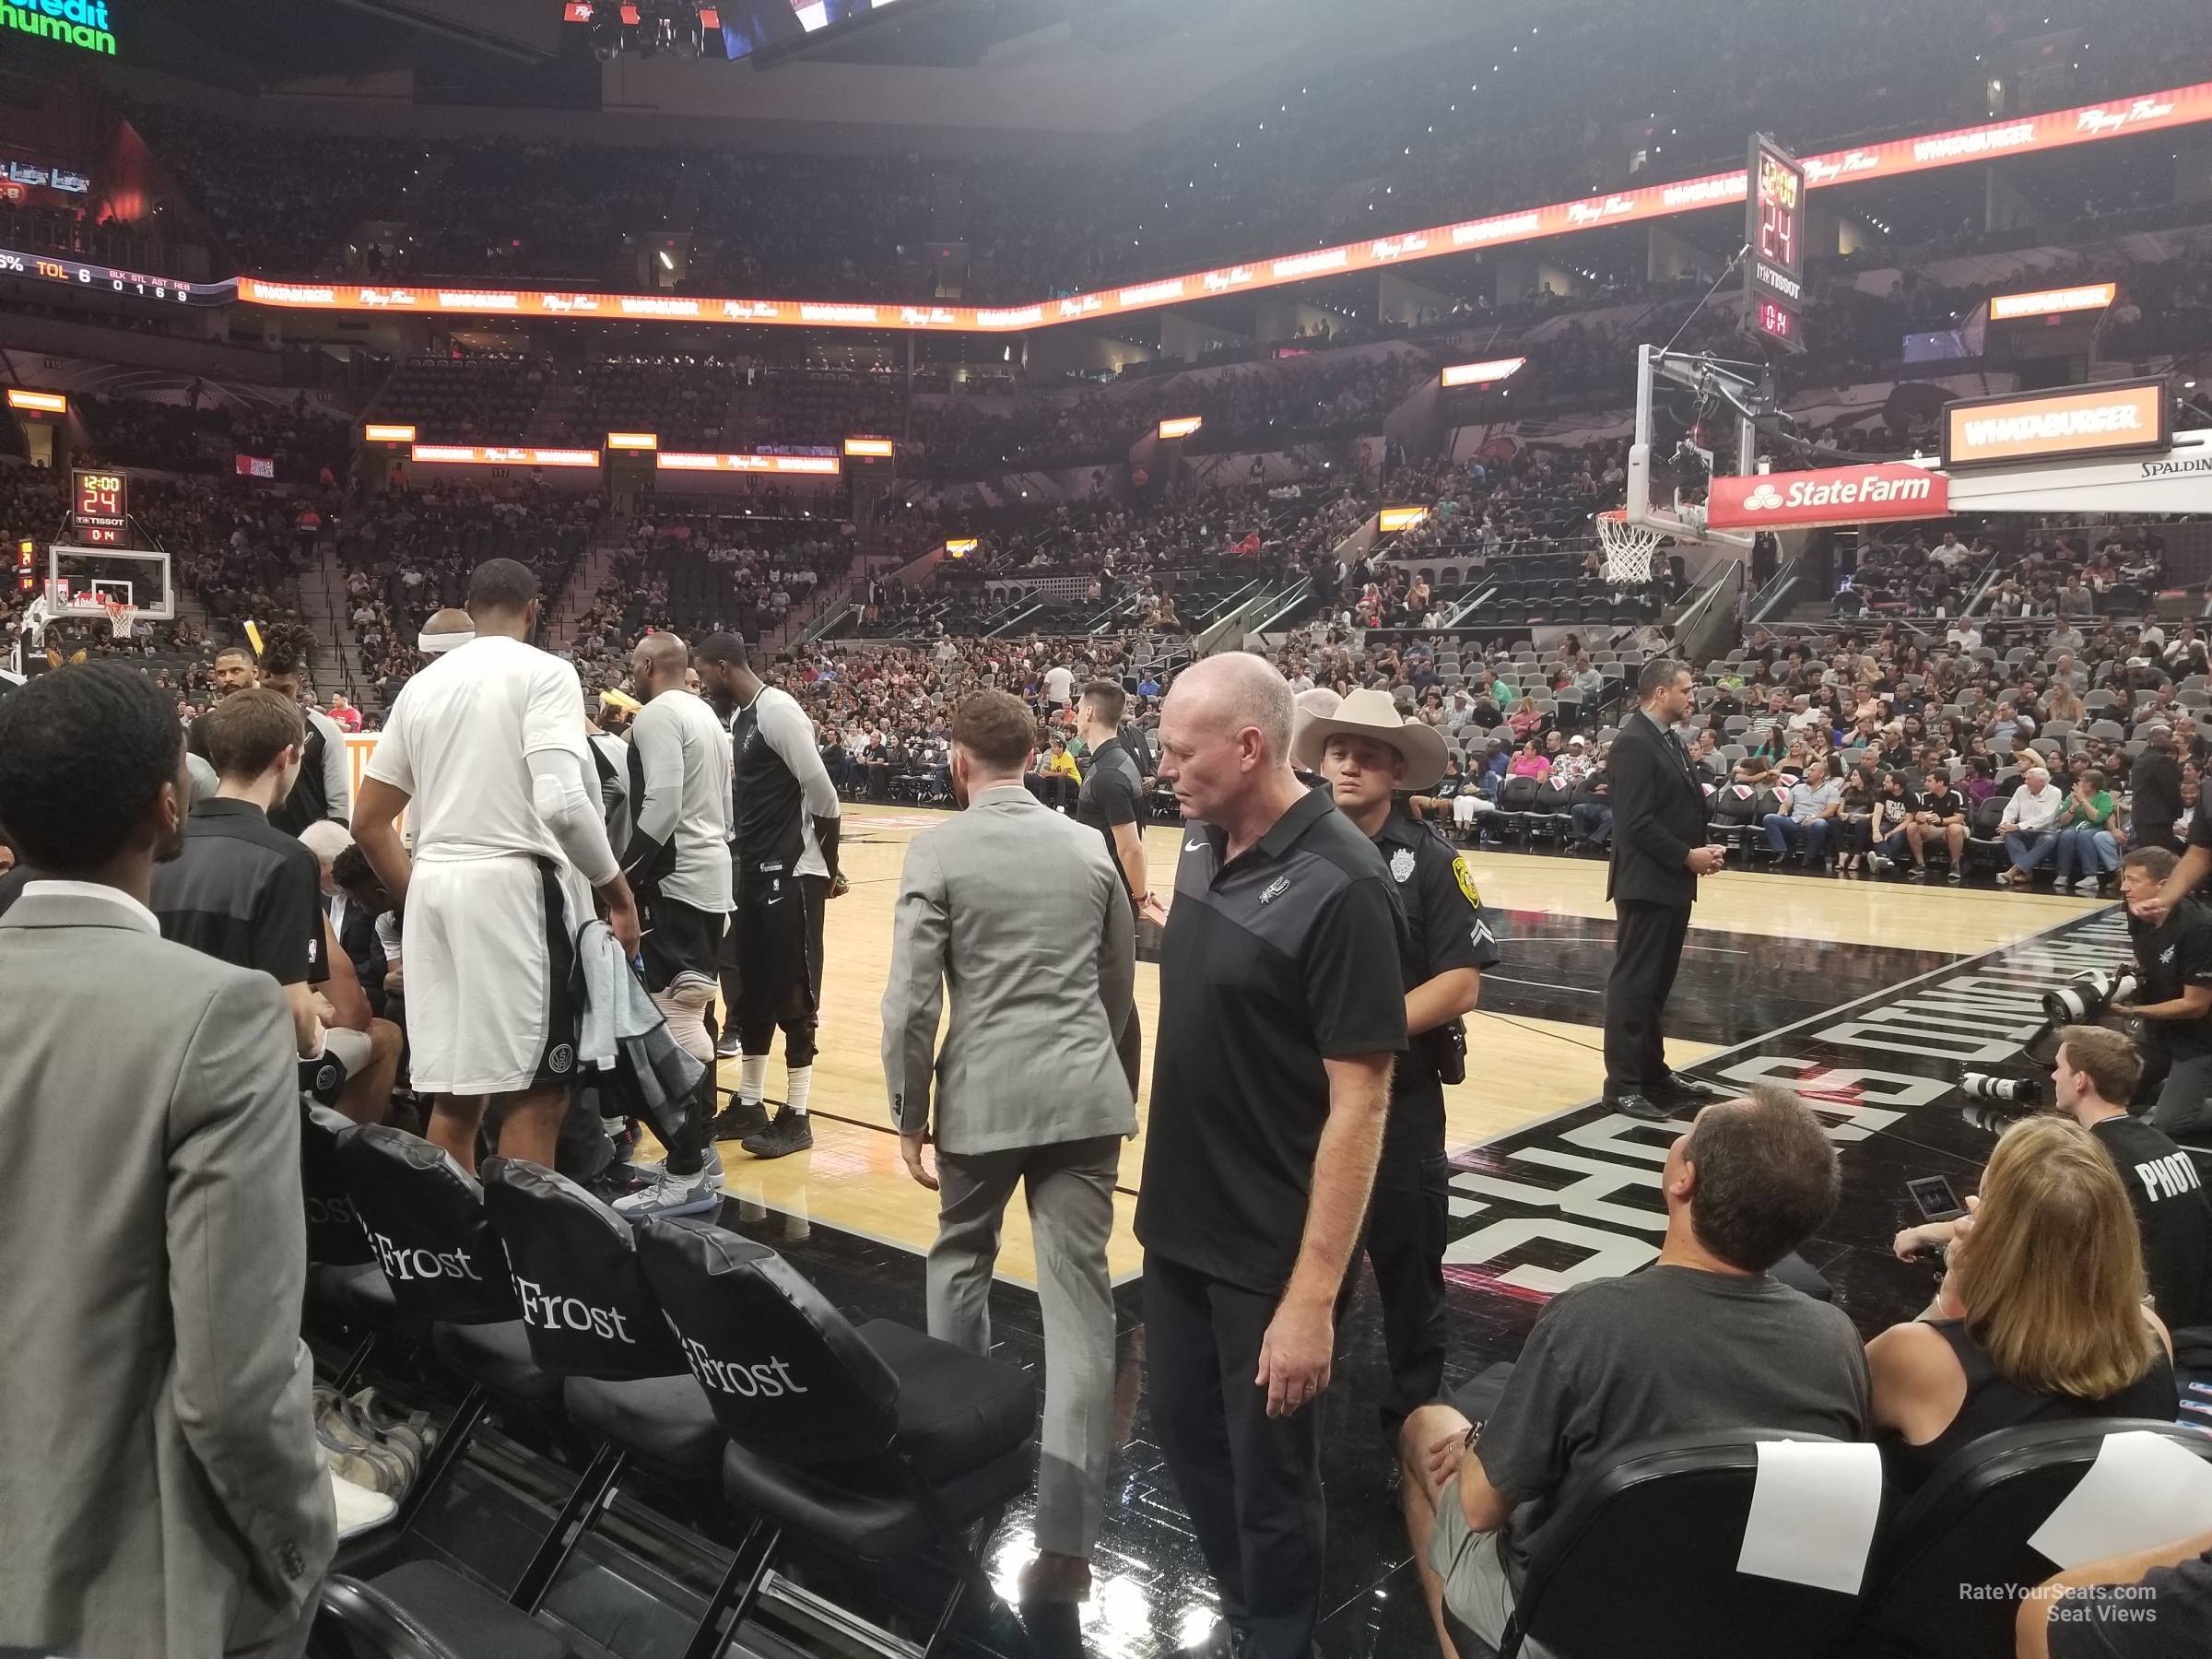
x,y
2095,1070
2174,956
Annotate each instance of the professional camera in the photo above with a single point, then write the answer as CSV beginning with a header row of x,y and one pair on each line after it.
x,y
2025,1092
2086,1000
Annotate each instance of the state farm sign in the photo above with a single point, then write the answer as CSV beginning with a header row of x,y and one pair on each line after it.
x,y
1834,495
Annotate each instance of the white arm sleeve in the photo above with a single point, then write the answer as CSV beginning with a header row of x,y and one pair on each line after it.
x,y
567,801
785,727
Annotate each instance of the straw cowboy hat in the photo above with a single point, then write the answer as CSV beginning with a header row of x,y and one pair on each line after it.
x,y
1306,708
1370,714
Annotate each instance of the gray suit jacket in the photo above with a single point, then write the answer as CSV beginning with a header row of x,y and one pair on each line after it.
x,y
1020,910
160,1491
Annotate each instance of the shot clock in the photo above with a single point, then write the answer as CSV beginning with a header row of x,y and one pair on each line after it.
x,y
100,503
1774,231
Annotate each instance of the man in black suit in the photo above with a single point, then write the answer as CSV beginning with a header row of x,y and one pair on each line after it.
x,y
1659,852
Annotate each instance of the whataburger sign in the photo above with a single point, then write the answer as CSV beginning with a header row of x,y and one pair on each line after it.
x,y
2116,417
2152,112
1835,495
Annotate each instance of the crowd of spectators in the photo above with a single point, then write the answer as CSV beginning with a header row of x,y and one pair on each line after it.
x,y
208,431
407,552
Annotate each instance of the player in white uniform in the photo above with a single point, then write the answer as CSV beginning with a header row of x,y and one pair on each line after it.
x,y
489,752
678,862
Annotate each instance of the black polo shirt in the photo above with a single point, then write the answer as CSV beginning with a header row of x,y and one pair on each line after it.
x,y
1112,794
2170,957
1446,928
1269,964
243,892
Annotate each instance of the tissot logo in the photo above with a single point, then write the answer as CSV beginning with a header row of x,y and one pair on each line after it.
x,y
403,1262
765,1379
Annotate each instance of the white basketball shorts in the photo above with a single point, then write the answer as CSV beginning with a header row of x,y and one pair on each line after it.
x,y
490,949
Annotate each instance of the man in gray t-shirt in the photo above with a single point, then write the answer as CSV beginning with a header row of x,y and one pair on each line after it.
x,y
1704,1339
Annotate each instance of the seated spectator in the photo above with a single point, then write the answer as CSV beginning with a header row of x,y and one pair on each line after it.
x,y
2020,1332
343,714
2031,825
2086,838
1815,799
1056,778
1706,1338
1530,761
1855,820
1887,824
1592,813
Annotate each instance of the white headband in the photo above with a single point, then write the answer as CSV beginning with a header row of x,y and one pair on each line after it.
x,y
432,643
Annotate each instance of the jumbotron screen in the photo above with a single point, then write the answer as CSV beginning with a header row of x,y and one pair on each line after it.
x,y
750,27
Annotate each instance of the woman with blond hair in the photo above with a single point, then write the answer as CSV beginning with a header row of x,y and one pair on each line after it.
x,y
2041,1317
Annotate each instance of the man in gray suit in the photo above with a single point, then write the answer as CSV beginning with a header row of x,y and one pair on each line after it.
x,y
161,1491
1020,910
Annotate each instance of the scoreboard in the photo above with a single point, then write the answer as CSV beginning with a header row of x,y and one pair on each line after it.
x,y
1774,230
100,503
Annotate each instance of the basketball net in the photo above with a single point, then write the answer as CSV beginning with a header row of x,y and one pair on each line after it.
x,y
122,619
1628,547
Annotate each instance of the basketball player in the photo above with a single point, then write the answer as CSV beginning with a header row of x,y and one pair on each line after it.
x,y
785,847
610,758
678,862
490,751
325,786
447,629
235,670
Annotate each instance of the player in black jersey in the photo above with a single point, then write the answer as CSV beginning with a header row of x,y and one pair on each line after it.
x,y
784,843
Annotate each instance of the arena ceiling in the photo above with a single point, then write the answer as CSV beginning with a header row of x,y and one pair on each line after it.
x,y
1097,68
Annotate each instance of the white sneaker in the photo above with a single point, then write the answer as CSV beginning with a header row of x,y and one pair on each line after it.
x,y
668,1194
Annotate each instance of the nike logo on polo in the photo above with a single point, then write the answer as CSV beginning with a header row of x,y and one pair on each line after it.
x,y
1192,846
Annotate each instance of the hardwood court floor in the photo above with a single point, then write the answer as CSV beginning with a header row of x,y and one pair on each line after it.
x,y
1765,948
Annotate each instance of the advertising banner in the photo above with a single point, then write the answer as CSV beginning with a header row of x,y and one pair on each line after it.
x,y
1832,495
2117,417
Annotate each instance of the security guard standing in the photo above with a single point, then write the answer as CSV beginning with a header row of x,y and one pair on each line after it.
x,y
1368,756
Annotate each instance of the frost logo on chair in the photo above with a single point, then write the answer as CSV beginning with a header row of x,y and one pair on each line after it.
x,y
765,1379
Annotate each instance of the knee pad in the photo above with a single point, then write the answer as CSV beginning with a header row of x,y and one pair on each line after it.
x,y
687,1018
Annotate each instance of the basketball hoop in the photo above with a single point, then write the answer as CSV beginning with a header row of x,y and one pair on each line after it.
x,y
1628,547
122,619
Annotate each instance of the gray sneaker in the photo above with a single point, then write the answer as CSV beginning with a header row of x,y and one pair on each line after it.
x,y
729,1047
671,1194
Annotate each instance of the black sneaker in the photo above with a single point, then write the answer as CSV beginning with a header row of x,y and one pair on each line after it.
x,y
1917,873
740,1119
791,1132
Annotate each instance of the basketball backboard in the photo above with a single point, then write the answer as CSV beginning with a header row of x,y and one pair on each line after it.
x,y
84,582
1690,424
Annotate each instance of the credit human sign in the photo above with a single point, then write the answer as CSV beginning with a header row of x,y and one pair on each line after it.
x,y
1835,495
82,23
2080,423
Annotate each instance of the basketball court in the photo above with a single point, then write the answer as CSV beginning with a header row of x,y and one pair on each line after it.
x,y
1765,949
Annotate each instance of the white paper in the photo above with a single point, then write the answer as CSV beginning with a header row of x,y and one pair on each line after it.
x,y
1813,1513
2143,1489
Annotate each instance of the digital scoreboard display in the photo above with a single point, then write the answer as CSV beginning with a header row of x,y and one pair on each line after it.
x,y
91,279
100,503
1774,231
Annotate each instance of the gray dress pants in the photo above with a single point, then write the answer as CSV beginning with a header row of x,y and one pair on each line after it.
x,y
1069,1186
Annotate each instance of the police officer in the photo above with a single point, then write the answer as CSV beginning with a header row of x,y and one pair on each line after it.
x,y
1368,756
